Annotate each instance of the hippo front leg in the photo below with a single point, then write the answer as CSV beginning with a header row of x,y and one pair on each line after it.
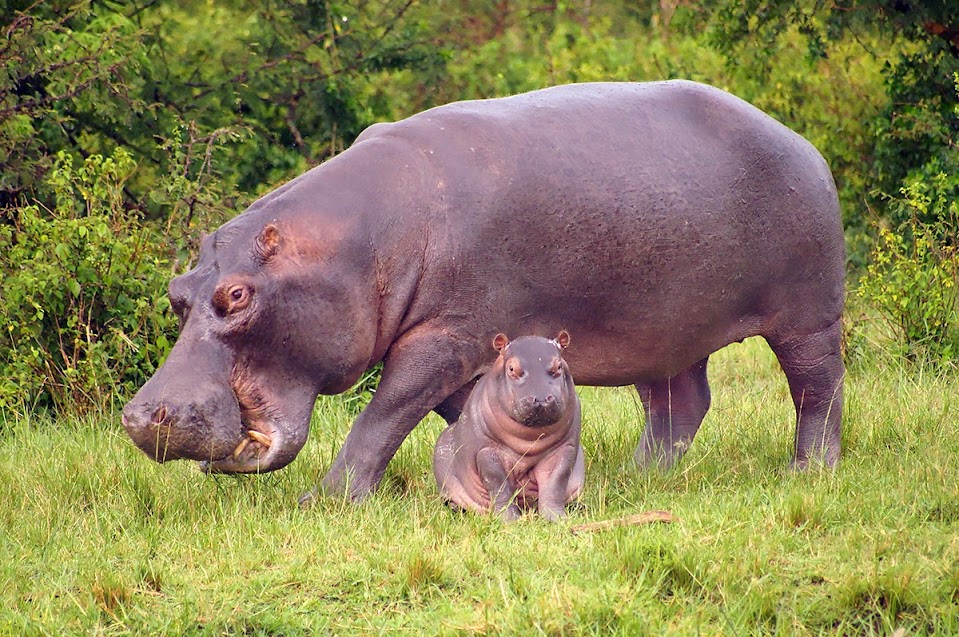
x,y
562,484
451,408
420,371
502,490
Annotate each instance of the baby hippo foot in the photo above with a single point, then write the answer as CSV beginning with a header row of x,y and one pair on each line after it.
x,y
510,513
553,515
562,482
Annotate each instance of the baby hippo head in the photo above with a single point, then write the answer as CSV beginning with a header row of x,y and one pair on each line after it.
x,y
534,384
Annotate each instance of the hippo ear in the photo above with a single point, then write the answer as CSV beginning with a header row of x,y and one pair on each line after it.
x,y
562,339
500,342
267,242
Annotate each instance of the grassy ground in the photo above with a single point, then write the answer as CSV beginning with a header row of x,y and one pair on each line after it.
x,y
96,539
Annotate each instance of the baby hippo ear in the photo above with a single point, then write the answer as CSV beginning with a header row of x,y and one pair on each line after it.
x,y
500,342
267,242
562,339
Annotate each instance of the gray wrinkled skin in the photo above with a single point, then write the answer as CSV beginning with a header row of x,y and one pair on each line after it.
x,y
516,443
658,222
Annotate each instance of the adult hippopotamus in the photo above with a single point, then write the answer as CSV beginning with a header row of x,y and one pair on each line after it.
x,y
656,221
516,443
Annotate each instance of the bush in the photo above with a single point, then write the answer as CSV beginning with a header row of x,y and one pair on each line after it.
x,y
83,306
912,276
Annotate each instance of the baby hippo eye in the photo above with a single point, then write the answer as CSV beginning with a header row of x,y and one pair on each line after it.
x,y
237,293
514,371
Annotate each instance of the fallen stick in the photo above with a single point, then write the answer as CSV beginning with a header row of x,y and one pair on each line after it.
x,y
631,520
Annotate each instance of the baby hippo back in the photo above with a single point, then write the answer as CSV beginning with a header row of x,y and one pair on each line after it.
x,y
517,441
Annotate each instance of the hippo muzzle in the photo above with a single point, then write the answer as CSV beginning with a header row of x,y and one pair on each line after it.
x,y
198,406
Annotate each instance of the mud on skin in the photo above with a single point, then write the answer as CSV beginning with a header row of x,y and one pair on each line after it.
x,y
657,222
516,444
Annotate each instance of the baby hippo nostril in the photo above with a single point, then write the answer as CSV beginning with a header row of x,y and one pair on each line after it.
x,y
159,416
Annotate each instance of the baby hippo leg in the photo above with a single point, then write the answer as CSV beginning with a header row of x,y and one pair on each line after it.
x,y
561,483
502,491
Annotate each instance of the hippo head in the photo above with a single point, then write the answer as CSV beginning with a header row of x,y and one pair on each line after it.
x,y
536,388
273,314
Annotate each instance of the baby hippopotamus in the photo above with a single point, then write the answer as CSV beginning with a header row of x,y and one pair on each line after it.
x,y
517,440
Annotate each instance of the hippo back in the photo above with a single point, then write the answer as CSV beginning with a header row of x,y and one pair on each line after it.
x,y
600,207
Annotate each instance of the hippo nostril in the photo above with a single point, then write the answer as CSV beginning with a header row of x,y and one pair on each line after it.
x,y
159,416
550,399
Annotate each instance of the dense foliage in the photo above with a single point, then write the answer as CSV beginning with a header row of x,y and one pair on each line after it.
x,y
126,129
917,123
81,306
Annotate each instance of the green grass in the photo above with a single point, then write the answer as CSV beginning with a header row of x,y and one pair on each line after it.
x,y
95,539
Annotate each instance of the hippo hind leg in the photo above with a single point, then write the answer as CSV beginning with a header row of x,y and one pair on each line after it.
x,y
814,369
675,409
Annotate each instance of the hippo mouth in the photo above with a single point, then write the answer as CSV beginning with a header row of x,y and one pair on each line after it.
x,y
254,453
254,445
261,442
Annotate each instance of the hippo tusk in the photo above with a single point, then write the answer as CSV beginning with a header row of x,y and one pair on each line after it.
x,y
259,437
240,447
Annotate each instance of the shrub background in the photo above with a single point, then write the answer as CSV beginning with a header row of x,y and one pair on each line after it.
x,y
129,128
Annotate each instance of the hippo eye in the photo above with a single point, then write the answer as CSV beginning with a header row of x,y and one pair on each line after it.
x,y
239,297
233,298
514,371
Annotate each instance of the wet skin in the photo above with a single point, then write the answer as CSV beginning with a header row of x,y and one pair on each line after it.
x,y
657,222
516,444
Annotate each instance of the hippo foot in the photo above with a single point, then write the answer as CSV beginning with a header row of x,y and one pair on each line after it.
x,y
803,465
308,499
662,458
321,492
349,490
